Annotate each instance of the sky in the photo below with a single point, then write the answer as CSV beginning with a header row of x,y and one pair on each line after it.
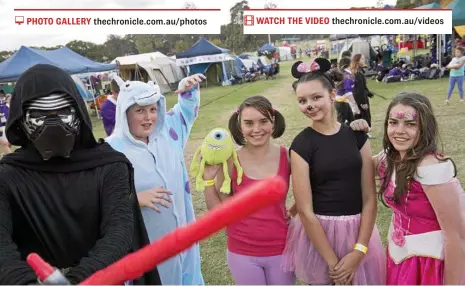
x,y
13,42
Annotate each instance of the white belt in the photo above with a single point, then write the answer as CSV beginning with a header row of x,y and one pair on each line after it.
x,y
428,244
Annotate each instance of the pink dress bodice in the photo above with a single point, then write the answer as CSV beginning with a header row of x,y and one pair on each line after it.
x,y
414,213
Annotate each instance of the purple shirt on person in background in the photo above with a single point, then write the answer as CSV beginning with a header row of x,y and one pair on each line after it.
x,y
347,84
395,72
3,110
380,67
108,111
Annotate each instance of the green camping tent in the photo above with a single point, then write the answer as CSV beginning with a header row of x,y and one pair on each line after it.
x,y
458,12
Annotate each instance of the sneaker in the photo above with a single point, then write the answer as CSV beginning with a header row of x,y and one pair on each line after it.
x,y
446,102
461,101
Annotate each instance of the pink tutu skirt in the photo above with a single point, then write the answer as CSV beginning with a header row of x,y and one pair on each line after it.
x,y
301,257
415,271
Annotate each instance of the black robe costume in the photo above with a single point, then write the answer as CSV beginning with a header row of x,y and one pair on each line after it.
x,y
79,214
344,112
361,96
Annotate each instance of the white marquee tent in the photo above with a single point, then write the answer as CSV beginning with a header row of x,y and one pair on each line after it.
x,y
151,66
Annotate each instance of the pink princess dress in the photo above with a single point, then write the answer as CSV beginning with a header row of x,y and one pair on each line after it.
x,y
426,239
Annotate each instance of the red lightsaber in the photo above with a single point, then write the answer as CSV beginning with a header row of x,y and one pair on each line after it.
x,y
134,265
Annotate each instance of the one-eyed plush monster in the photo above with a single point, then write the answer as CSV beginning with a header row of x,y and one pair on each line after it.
x,y
217,148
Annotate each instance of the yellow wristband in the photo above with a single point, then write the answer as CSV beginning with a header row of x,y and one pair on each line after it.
x,y
360,247
209,183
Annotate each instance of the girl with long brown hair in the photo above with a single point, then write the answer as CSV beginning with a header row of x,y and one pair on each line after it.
x,y
426,240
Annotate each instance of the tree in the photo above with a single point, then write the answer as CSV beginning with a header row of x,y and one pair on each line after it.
x,y
237,12
216,42
5,55
148,43
182,46
189,5
87,49
117,46
404,4
270,5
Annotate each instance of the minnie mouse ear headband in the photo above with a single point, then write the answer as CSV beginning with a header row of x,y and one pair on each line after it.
x,y
319,65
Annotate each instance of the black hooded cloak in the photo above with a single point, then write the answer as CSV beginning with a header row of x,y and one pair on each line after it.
x,y
79,214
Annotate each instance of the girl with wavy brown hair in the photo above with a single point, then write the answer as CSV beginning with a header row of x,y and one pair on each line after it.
x,y
426,239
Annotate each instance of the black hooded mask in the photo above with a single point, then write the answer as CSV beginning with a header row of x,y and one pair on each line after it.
x,y
38,82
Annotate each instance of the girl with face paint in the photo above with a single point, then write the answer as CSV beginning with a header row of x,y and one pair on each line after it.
x,y
255,244
334,240
426,239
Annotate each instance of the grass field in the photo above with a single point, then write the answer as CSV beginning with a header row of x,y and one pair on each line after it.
x,y
219,102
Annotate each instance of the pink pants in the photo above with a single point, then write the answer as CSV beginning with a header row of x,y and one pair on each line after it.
x,y
257,270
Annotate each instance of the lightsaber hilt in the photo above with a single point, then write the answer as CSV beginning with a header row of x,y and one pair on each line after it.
x,y
46,274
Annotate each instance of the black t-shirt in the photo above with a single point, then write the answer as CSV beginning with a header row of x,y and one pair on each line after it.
x,y
335,169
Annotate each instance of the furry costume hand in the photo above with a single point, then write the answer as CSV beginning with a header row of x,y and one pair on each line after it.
x,y
216,148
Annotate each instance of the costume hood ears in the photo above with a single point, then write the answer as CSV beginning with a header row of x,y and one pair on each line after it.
x,y
299,68
119,81
142,93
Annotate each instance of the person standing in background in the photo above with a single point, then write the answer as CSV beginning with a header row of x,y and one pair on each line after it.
x,y
108,109
457,73
360,91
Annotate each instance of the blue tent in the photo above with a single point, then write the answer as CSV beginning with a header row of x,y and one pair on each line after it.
x,y
85,94
207,58
64,58
202,47
267,48
239,65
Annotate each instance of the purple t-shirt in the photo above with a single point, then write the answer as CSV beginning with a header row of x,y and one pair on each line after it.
x,y
108,111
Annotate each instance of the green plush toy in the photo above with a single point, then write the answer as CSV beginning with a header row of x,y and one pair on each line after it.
x,y
216,148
